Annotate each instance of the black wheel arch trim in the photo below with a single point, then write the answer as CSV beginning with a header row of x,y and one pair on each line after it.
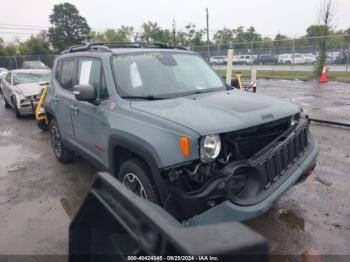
x,y
134,147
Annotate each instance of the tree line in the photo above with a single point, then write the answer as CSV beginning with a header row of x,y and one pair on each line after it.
x,y
69,28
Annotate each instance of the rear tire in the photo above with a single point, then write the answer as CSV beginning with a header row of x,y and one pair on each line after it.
x,y
42,125
136,176
62,153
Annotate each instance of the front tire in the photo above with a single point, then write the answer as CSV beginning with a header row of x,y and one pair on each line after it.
x,y
136,176
14,102
62,153
6,105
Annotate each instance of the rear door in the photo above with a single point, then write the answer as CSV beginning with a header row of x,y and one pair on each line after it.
x,y
65,79
89,121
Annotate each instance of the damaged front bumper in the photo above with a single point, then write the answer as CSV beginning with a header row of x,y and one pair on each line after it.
x,y
28,106
228,211
245,189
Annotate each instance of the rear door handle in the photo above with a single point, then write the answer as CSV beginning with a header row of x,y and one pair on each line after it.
x,y
55,99
75,109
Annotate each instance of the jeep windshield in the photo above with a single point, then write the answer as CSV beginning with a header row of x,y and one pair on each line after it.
x,y
159,75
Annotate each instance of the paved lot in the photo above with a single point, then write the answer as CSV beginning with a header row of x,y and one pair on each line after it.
x,y
333,68
38,195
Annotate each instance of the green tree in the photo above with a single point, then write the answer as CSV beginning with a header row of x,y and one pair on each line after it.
x,y
36,45
152,32
121,35
2,47
323,30
69,28
347,36
282,41
190,36
224,37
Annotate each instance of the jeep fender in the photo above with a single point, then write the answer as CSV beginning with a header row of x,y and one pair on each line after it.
x,y
149,157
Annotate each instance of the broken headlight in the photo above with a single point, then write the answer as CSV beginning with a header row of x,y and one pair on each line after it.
x,y
210,147
294,119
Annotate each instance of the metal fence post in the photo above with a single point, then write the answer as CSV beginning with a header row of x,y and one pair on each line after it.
x,y
347,59
293,55
16,62
251,55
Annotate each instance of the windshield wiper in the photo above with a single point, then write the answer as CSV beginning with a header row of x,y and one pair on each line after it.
x,y
203,91
150,97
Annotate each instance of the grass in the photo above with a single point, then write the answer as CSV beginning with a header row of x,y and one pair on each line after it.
x,y
288,75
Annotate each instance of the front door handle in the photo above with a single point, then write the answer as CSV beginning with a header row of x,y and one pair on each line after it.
x,y
55,99
75,109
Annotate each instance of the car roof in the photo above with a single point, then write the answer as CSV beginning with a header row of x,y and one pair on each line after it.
x,y
123,51
41,71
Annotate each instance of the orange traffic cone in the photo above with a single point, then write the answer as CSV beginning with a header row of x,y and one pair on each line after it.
x,y
323,78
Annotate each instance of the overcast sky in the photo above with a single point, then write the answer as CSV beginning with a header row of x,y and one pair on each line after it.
x,y
269,17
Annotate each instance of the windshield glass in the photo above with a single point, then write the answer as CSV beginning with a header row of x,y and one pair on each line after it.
x,y
163,74
21,78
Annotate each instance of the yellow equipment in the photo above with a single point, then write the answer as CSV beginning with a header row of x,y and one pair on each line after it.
x,y
238,84
40,115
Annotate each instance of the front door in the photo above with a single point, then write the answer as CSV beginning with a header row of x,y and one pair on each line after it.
x,y
89,124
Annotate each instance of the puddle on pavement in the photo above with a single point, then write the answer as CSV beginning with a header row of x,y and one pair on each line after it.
x,y
6,133
291,219
9,156
68,207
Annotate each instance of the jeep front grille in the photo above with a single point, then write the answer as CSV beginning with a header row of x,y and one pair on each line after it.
x,y
277,164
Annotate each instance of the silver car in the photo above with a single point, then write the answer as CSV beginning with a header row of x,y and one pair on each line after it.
x,y
21,89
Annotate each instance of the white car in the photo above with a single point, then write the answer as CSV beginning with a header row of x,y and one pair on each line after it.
x,y
217,60
291,59
244,59
22,89
310,58
3,72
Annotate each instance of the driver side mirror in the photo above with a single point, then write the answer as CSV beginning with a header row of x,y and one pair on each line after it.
x,y
84,93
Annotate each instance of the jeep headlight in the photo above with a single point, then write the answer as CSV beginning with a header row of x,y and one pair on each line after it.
x,y
294,119
210,148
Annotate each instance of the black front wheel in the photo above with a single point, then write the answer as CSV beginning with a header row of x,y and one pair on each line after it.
x,y
14,102
62,153
6,105
136,176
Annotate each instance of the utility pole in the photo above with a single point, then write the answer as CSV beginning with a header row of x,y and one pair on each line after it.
x,y
174,32
208,40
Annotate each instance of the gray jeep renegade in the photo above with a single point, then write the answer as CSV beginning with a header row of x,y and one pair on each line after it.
x,y
165,124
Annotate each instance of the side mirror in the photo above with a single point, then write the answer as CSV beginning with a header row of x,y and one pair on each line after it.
x,y
84,93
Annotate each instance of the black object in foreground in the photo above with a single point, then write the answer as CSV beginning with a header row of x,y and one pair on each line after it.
x,y
113,223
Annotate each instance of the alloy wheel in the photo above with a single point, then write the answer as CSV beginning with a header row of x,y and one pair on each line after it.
x,y
133,183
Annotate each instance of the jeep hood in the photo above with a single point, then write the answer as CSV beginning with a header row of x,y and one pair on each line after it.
x,y
219,112
29,89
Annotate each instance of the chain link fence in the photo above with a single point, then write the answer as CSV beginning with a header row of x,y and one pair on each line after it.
x,y
282,55
292,54
15,62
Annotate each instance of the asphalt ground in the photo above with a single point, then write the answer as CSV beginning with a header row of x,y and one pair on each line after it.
x,y
305,68
39,195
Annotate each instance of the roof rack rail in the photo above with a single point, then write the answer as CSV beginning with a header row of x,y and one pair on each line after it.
x,y
87,47
106,47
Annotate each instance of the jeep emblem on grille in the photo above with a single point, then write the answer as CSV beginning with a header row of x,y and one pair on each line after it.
x,y
266,116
